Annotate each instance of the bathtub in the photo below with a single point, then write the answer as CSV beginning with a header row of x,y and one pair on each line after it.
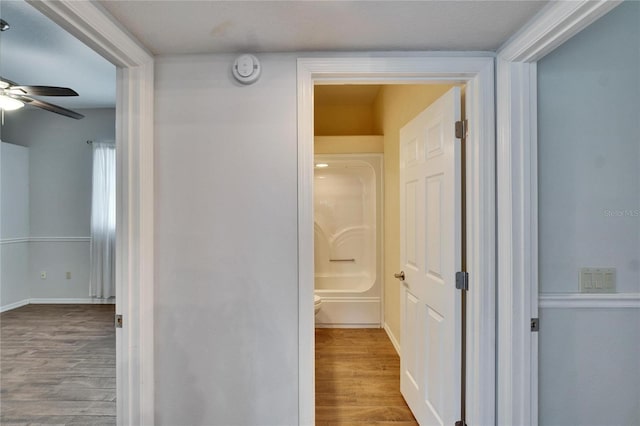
x,y
348,239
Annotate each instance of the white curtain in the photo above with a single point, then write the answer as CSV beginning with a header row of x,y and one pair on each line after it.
x,y
103,221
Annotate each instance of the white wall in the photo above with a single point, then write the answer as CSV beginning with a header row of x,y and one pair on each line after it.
x,y
589,172
60,168
14,224
226,243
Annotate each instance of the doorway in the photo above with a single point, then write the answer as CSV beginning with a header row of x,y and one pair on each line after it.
x,y
134,196
65,202
356,121
477,75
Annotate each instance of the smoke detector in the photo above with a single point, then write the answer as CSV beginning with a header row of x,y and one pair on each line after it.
x,y
246,69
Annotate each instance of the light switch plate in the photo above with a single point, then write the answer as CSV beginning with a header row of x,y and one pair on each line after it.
x,y
597,280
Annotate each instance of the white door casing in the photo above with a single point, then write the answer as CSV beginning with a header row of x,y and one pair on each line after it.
x,y
517,208
430,252
476,71
134,192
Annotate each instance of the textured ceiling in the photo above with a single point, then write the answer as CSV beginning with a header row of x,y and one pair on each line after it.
x,y
178,27
36,51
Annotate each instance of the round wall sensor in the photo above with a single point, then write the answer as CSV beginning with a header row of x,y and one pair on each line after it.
x,y
246,69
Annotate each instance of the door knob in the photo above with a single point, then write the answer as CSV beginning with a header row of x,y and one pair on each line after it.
x,y
399,276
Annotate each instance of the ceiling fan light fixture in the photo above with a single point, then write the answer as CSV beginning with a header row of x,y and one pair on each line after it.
x,y
9,104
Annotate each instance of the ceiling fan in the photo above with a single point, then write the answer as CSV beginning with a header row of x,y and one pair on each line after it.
x,y
14,96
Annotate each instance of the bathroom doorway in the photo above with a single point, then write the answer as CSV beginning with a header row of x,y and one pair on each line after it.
x,y
358,367
476,74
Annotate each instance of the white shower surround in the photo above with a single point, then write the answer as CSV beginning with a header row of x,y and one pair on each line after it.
x,y
348,240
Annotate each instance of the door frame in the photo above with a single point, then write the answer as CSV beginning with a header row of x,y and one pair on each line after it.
x,y
95,27
476,70
517,209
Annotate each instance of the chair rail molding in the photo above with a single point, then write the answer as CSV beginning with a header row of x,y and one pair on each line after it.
x,y
94,26
517,200
589,300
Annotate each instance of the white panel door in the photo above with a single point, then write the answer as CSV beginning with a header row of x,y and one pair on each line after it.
x,y
430,254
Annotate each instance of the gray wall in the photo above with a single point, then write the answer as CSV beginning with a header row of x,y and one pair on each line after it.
x,y
14,224
60,168
589,216
226,243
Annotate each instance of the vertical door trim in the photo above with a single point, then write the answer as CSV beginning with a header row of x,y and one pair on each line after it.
x,y
477,71
91,24
517,169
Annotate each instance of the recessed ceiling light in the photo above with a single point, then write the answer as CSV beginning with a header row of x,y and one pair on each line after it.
x,y
321,165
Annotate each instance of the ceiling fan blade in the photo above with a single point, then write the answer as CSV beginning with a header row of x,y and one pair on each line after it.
x,y
6,83
42,91
51,107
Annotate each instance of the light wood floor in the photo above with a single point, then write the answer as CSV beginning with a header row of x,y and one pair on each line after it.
x,y
358,379
57,365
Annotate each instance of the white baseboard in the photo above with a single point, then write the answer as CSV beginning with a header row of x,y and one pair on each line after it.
x,y
589,300
45,240
58,301
13,240
63,301
393,339
59,239
350,325
14,305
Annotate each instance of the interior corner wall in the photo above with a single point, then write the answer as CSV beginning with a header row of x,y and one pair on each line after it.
x,y
226,242
395,106
14,225
60,176
589,216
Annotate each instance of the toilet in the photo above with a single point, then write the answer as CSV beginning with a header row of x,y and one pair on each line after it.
x,y
317,301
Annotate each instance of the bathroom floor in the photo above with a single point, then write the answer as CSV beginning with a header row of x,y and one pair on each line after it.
x,y
358,379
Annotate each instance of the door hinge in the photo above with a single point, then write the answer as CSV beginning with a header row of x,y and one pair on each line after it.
x,y
535,324
462,280
118,321
461,129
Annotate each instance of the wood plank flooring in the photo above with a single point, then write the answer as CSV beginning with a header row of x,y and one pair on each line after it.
x,y
358,379
57,365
